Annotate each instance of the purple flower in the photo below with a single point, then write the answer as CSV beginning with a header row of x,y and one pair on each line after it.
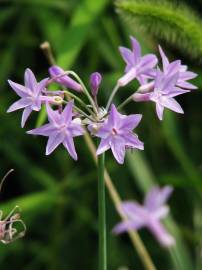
x,y
148,215
137,66
65,80
95,80
61,129
30,95
116,133
174,67
164,91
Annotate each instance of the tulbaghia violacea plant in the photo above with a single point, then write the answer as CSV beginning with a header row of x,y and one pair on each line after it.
x,y
12,226
70,115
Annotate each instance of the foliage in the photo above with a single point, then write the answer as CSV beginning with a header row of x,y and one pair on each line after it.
x,y
175,23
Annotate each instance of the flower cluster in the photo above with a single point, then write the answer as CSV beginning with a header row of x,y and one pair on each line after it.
x,y
69,116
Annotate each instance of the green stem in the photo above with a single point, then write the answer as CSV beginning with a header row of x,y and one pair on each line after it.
x,y
79,100
114,91
126,101
80,111
84,89
102,214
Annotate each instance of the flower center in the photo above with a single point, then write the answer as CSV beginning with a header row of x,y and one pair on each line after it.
x,y
114,132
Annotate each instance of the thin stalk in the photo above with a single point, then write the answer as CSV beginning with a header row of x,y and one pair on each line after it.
x,y
78,99
84,89
80,111
125,102
114,91
102,214
133,235
83,113
46,48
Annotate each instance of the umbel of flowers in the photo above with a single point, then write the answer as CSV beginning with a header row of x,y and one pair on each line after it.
x,y
69,116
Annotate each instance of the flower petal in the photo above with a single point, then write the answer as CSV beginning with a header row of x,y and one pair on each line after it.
x,y
19,89
103,146
168,82
133,211
26,113
136,49
21,103
41,85
173,68
171,104
129,76
67,112
45,130
130,122
131,140
159,111
114,116
30,80
54,141
127,56
69,145
156,197
118,149
147,62
186,85
160,233
164,59
161,212
53,116
187,75
176,91
76,129
126,226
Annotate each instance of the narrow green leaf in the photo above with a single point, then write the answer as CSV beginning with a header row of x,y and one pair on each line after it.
x,y
175,143
77,32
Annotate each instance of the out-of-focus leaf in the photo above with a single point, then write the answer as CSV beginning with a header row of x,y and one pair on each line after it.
x,y
175,143
74,37
177,24
59,4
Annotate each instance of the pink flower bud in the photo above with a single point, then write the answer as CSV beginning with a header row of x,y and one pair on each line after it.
x,y
95,80
65,80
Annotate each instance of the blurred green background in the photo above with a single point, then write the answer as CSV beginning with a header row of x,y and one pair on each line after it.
x,y
58,197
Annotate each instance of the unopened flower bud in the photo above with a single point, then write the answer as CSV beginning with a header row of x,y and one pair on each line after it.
x,y
95,80
64,79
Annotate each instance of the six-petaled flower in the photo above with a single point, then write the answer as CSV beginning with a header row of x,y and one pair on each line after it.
x,y
61,129
137,66
30,94
148,215
117,133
